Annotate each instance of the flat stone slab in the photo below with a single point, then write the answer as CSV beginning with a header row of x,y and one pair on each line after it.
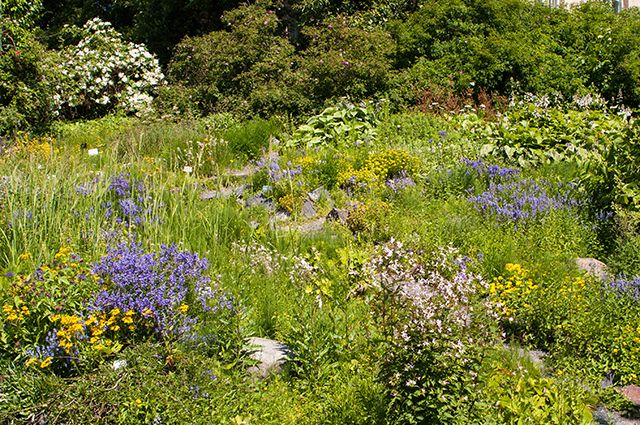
x,y
316,194
632,392
602,416
260,199
270,354
247,171
338,215
593,267
308,210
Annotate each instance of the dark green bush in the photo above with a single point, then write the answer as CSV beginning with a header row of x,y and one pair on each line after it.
x,y
28,76
246,67
343,60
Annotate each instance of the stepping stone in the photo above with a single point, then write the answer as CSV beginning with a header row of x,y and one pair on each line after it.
x,y
270,354
260,199
225,192
317,194
338,215
593,267
308,210
247,171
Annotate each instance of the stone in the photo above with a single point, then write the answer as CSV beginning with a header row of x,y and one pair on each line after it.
x,y
308,210
312,226
593,267
261,200
317,194
225,192
338,215
271,355
603,416
247,171
632,392
119,364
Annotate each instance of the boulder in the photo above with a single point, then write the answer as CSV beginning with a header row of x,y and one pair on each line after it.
x,y
593,267
308,210
318,193
338,215
271,355
261,200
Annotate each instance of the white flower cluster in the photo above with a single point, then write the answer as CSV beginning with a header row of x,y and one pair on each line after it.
x,y
440,294
104,72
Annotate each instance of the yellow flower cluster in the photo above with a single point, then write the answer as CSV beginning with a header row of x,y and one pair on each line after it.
x,y
287,202
306,162
39,147
102,323
390,162
71,328
363,176
14,314
43,364
511,293
380,167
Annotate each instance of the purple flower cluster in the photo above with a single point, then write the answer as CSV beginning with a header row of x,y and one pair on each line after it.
x,y
277,173
156,285
626,286
128,200
400,182
492,172
522,200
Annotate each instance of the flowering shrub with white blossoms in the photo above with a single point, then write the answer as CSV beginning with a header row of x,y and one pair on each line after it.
x,y
436,322
104,73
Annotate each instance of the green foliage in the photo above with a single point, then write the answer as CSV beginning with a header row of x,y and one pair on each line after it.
x,y
342,60
611,173
515,392
538,130
28,78
251,138
341,125
32,299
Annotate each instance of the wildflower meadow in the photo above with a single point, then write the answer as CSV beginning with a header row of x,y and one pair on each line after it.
x,y
319,213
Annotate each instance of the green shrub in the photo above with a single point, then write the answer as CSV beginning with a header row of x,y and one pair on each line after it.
x,y
342,60
28,79
245,67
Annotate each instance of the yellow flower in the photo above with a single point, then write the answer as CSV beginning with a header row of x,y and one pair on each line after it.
x,y
138,402
63,252
31,361
115,312
183,308
46,362
25,256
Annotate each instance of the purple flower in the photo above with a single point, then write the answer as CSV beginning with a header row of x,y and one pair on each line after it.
x,y
522,200
156,285
626,286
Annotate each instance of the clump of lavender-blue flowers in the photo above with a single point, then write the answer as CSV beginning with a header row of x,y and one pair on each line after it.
x,y
129,200
626,286
491,172
523,200
167,286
